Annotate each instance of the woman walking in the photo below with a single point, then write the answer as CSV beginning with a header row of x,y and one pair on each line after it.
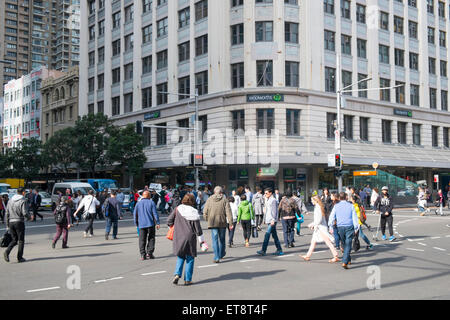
x,y
245,217
440,203
258,205
373,198
320,233
234,212
286,213
327,202
421,202
62,220
186,222
337,238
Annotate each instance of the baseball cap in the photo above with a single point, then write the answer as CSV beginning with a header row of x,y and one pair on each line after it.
x,y
385,188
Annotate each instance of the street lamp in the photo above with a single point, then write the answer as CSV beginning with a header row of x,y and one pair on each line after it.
x,y
339,92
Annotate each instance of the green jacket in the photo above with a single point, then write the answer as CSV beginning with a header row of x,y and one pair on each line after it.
x,y
245,211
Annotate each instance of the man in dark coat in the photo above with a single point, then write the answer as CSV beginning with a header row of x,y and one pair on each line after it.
x,y
35,204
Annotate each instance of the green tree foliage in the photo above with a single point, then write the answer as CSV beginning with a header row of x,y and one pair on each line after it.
x,y
27,159
59,149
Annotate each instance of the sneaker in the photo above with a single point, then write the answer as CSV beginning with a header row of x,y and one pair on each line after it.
x,y
261,253
143,257
188,283
278,253
383,237
5,256
106,237
391,238
175,279
291,245
151,256
65,247
21,260
53,245
230,245
85,234
216,261
369,247
91,235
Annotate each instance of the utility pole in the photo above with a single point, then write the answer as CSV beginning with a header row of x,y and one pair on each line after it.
x,y
337,133
196,141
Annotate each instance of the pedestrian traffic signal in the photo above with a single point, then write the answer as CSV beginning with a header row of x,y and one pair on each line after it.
x,y
196,160
337,159
338,172
139,127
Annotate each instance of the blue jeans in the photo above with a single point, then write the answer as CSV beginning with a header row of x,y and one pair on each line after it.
x,y
115,225
346,234
361,233
288,230
271,230
218,242
337,239
189,271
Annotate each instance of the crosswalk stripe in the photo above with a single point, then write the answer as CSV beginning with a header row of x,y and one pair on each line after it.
x,y
150,273
43,289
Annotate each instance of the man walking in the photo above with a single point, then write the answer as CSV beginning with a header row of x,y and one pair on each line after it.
x,y
146,218
112,212
347,225
271,218
88,205
35,204
16,211
120,198
216,212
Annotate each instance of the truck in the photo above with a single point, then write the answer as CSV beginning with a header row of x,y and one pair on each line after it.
x,y
14,183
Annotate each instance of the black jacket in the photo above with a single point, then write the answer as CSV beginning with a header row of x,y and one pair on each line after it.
x,y
384,204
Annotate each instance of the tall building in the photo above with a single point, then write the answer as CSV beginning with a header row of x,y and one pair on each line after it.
x,y
38,33
272,65
22,106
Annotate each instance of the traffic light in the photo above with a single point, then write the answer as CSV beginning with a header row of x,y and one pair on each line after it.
x,y
338,172
139,127
196,160
337,159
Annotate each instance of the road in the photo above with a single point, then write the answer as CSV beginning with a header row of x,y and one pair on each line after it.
x,y
415,266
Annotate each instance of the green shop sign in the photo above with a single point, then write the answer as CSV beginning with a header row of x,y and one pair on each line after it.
x,y
265,97
403,113
152,115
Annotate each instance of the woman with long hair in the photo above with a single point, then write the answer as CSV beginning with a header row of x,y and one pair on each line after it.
x,y
373,198
320,233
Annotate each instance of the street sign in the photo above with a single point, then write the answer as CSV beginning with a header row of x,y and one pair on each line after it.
x,y
375,165
331,160
337,139
152,115
436,178
364,173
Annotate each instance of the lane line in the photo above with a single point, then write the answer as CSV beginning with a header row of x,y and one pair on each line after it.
x,y
415,249
150,273
43,289
440,249
249,260
112,279
207,266
422,244
287,255
432,238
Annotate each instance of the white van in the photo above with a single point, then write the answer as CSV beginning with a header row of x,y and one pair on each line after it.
x,y
74,188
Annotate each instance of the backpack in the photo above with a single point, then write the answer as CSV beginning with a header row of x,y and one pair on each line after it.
x,y
362,216
60,215
106,208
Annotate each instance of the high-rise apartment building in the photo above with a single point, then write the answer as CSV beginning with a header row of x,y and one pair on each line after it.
x,y
271,65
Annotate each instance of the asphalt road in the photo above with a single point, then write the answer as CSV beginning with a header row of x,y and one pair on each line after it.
x,y
415,266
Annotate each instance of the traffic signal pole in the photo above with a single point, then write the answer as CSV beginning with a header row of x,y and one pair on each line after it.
x,y
337,134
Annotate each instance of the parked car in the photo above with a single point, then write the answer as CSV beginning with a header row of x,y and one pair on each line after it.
x,y
46,202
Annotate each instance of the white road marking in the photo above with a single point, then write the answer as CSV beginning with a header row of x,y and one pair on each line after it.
x,y
319,251
417,239
400,235
104,280
249,260
415,249
287,255
435,238
43,289
422,244
440,249
447,236
150,273
207,266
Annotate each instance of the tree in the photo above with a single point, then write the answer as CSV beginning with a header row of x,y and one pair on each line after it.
x,y
59,149
126,148
92,134
27,159
5,165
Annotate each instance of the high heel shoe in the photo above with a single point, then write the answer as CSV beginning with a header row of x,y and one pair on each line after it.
x,y
306,258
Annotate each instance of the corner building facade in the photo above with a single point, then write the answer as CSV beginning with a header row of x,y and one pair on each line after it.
x,y
271,65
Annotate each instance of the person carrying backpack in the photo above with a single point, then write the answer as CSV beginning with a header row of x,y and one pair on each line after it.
x,y
62,215
113,212
245,217
287,210
362,221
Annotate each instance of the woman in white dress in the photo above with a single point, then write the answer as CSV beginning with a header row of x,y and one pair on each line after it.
x,y
320,233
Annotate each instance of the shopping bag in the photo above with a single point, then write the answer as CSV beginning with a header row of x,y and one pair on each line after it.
x,y
6,240
170,233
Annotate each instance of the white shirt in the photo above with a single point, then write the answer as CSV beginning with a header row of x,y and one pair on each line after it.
x,y
88,200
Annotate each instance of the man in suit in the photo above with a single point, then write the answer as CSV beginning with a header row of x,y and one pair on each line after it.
x,y
35,204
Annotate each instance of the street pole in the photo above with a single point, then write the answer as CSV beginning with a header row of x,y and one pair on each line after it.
x,y
338,122
196,141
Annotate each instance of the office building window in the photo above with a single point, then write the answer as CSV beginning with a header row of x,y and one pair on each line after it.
x,y
184,87
432,65
291,74
128,71
413,61
201,82
238,120
237,34
442,39
360,13
147,34
414,95
101,81
201,10
129,42
346,81
331,119
264,73
162,27
147,5
383,54
329,40
129,14
161,135
184,51
400,92
435,136
291,32
292,122
101,55
346,44
386,131
116,48
100,108
362,85
201,45
348,127
264,31
184,17
430,35
444,100
328,6
385,94
91,84
128,102
416,133
115,106
412,27
116,20
430,6
441,9
445,132
364,128
161,60
116,75
147,98
147,133
398,25
433,98
399,57
330,79
161,94
361,48
237,75
345,9
265,121
401,132
146,65
384,20
443,67
235,3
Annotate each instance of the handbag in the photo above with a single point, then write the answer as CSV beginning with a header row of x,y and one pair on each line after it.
x,y
6,240
356,243
254,232
86,214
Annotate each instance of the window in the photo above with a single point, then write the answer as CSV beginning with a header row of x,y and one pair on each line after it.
x,y
101,28
91,58
444,100
331,118
433,98
91,5
412,27
91,33
128,102
385,94
400,92
129,14
416,134
442,37
235,3
446,137
265,121
346,44
384,20
147,98
128,71
414,95
386,131
184,87
162,26
161,60
91,84
147,34
201,82
161,135
116,20
435,136
413,61
129,42
264,1
330,79
184,51
360,13
430,6
291,32
161,95
183,17
147,5
237,75
291,74
412,3
364,129
432,65
441,9
183,134
161,2
346,81
116,47
328,6
146,65
116,75
115,106
361,48
101,55
237,34
329,40
238,120
430,35
292,122
348,127
264,73
345,9
443,68
362,85
201,10
401,132
201,45
264,31
90,109
398,25
147,133
384,54
100,108
101,81
399,57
